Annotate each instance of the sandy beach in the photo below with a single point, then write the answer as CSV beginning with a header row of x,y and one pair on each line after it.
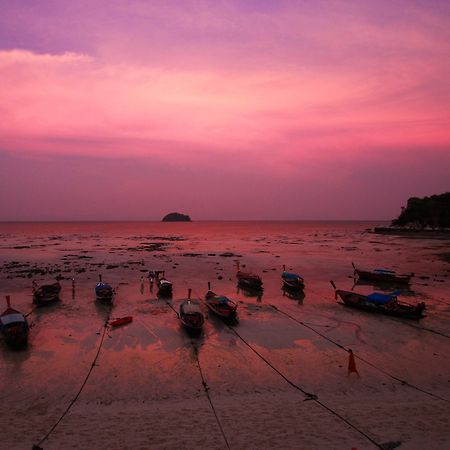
x,y
146,389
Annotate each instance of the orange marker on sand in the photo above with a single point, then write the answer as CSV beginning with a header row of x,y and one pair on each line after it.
x,y
352,363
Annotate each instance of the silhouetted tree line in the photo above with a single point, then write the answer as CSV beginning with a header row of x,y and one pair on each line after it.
x,y
431,212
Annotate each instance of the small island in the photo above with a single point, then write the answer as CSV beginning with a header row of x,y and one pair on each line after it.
x,y
176,217
428,214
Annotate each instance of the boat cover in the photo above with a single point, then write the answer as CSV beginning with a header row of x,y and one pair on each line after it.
x,y
382,299
222,300
290,276
385,271
12,318
102,286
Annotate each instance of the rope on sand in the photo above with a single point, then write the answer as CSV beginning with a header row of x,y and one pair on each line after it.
x,y
439,333
31,312
206,389
105,327
308,395
403,382
204,383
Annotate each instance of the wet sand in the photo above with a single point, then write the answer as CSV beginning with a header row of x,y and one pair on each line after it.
x,y
146,390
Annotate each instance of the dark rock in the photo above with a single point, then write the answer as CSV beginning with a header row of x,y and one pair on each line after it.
x,y
176,217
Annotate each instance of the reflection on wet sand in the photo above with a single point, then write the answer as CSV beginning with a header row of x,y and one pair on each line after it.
x,y
153,360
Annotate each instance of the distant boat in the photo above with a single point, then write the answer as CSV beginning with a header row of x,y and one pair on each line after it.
x,y
46,293
14,327
248,279
103,291
191,316
220,305
292,280
381,303
164,287
382,275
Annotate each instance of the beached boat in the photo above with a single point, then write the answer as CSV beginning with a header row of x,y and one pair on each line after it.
x,y
14,327
164,287
220,305
292,280
249,280
382,275
103,291
46,293
121,321
191,316
381,303
154,275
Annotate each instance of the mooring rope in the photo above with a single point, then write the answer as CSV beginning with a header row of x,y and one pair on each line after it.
x,y
206,389
105,328
204,383
308,395
430,330
403,382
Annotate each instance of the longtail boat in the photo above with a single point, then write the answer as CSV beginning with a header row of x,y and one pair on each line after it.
x,y
292,280
220,305
14,327
46,293
382,275
164,287
191,316
248,279
103,291
377,302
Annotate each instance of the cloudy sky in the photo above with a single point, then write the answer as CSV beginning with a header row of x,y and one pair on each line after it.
x,y
255,109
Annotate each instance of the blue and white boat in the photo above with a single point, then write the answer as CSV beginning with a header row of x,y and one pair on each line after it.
x,y
292,280
103,291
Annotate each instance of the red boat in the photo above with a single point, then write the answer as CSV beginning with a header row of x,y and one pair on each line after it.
x,y
121,321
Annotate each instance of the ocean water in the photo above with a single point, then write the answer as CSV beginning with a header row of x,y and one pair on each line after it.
x,y
152,358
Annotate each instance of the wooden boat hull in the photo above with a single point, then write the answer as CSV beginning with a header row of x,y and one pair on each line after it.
x,y
401,310
292,281
225,309
383,277
15,332
164,287
249,280
104,292
191,318
47,294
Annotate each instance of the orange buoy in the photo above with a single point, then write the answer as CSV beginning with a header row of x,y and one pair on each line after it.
x,y
121,321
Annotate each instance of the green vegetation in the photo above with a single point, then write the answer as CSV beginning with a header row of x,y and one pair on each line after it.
x,y
431,212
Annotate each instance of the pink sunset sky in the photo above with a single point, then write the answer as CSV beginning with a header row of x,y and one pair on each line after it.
x,y
114,110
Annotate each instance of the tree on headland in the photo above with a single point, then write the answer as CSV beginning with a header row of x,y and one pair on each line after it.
x,y
431,212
